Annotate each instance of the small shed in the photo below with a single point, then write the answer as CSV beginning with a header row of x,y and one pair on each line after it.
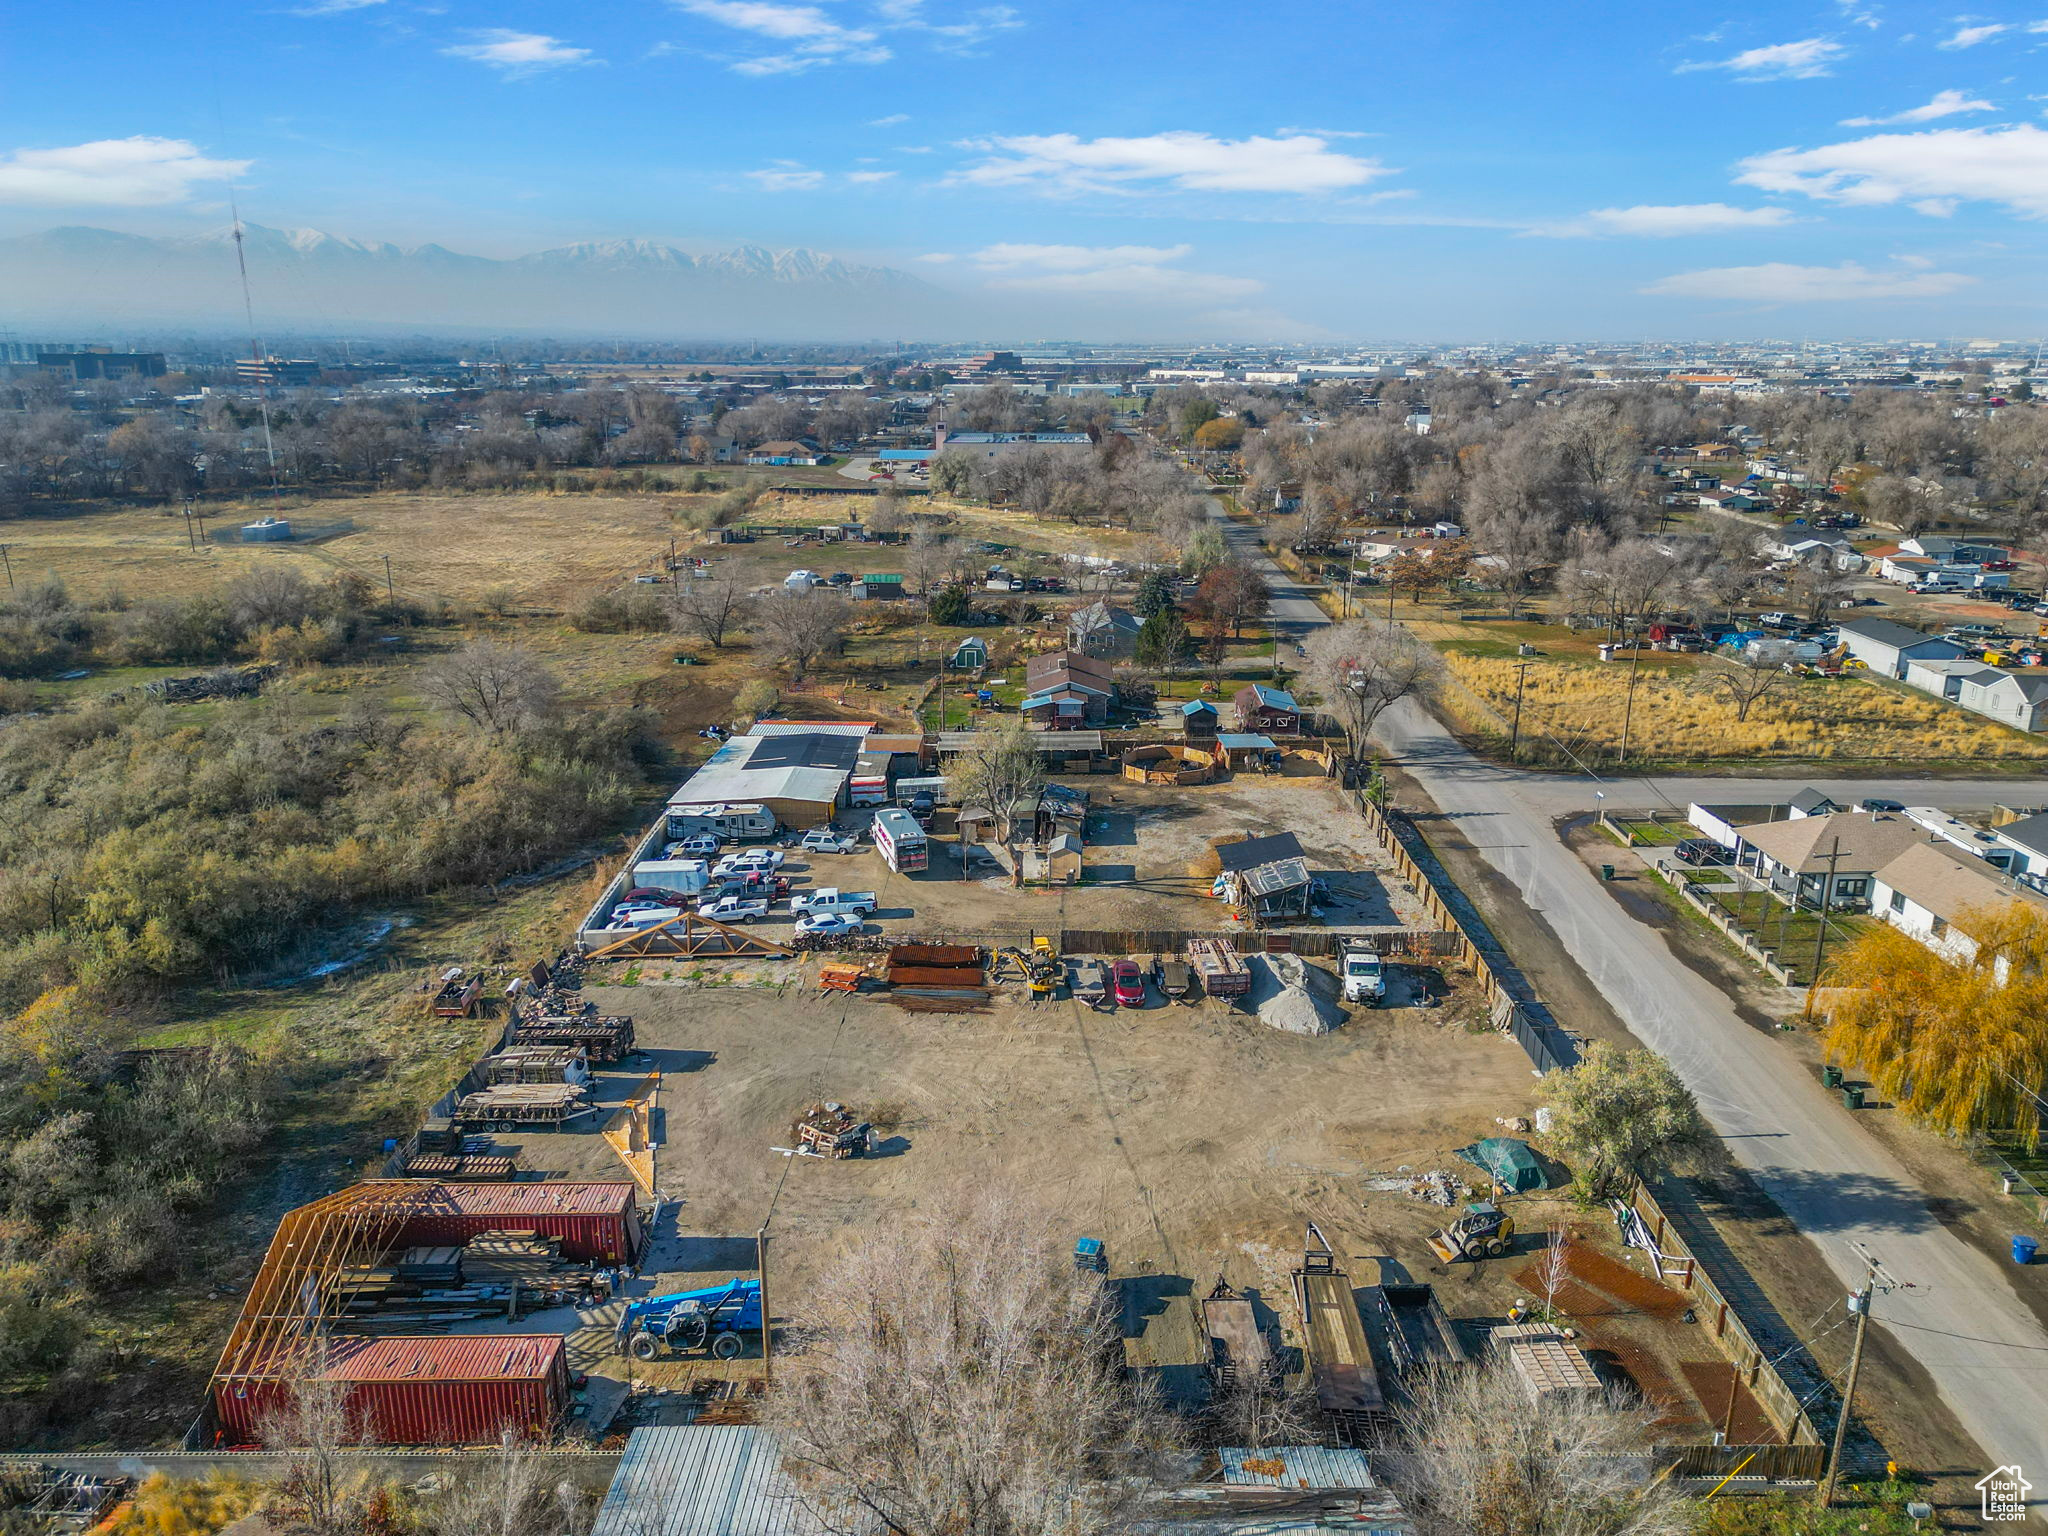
x,y
879,587
970,655
1063,858
1246,749
1198,720
1265,877
1262,707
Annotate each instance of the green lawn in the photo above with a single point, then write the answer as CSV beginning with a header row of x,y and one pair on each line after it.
x,y
1791,935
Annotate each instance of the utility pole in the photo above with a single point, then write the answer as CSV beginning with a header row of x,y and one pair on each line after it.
x,y
8,561
1628,709
390,594
1820,938
1515,739
1859,1303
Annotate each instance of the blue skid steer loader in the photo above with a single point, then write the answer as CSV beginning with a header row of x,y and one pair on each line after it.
x,y
713,1318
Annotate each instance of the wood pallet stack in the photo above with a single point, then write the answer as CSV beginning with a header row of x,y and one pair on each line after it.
x,y
501,1258
541,1104
465,1168
832,1130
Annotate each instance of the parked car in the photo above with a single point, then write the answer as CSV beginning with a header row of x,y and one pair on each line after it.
x,y
825,840
828,923
1128,982
702,846
763,860
1778,620
839,579
1973,633
1702,851
922,805
1880,805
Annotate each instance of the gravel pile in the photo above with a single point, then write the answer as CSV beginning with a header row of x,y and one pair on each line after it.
x,y
1290,994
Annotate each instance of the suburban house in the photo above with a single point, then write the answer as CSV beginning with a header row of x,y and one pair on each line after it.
x,y
785,451
1944,549
1733,501
1265,877
2027,841
1198,720
2007,697
1931,890
1266,709
1725,823
1886,648
1806,860
1811,802
1104,632
1065,690
1836,554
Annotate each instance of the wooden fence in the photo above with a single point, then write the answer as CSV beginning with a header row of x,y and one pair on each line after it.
x,y
1803,1454
1509,998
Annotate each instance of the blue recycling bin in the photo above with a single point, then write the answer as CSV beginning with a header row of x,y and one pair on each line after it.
x,y
2023,1249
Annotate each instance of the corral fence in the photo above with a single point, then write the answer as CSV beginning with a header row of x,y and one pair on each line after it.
x,y
1413,942
1803,1454
1511,1001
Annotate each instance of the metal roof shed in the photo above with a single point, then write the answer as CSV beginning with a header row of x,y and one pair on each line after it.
x,y
704,1480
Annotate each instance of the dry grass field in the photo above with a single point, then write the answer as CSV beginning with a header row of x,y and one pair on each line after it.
x,y
1580,706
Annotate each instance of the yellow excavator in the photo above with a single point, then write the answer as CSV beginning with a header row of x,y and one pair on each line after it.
x,y
1039,970
1482,1231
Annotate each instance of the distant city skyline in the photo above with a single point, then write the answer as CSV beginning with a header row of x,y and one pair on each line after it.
x,y
1459,172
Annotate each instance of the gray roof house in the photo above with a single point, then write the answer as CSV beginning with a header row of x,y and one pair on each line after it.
x,y
1100,630
1885,647
2007,697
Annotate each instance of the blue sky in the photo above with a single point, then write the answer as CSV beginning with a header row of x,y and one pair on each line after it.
x,y
1462,170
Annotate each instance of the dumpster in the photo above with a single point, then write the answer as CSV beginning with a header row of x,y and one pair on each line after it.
x,y
2023,1249
1852,1096
1831,1077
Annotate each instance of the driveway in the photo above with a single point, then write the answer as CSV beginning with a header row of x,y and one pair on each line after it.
x,y
1956,1312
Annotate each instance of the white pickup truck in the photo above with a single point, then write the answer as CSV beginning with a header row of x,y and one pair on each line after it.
x,y
732,909
832,899
1365,978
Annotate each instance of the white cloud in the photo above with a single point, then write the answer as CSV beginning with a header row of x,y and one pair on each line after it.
x,y
809,37
518,53
890,121
862,178
141,172
334,7
1781,282
1133,272
1996,165
1665,220
1190,162
1803,60
787,176
1944,104
1970,37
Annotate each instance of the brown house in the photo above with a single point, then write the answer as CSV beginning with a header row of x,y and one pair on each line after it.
x,y
1267,710
1065,690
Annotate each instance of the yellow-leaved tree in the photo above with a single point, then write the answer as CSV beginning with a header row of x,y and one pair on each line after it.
x,y
1958,1036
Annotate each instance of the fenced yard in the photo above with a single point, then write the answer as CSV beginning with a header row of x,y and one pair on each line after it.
x,y
1788,938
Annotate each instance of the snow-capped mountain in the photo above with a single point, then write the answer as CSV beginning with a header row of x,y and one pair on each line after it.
x,y
306,278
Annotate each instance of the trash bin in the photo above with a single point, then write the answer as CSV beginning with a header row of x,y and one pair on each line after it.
x,y
1606,871
1831,1077
2023,1249
1852,1096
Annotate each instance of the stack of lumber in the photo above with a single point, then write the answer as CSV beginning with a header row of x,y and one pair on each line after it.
x,y
500,1258
950,955
524,1104
832,1130
468,1168
536,1064
606,1037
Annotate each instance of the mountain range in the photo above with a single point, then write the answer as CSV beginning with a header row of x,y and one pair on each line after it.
x,y
306,279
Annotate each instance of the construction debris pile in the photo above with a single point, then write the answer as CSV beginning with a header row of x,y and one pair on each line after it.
x,y
422,1290
832,1130
220,683
936,978
1290,994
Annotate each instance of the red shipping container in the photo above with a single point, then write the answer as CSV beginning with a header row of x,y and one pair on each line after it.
x,y
597,1222
426,1391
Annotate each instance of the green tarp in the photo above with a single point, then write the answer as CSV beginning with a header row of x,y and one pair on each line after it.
x,y
1510,1163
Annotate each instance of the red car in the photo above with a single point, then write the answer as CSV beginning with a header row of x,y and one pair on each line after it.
x,y
1128,982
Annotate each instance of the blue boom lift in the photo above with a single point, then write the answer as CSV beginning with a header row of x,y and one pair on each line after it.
x,y
712,1318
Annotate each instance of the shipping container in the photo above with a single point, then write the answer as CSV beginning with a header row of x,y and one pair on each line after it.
x,y
597,1222
462,1390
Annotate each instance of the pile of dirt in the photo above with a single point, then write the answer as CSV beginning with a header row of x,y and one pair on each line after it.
x,y
1290,994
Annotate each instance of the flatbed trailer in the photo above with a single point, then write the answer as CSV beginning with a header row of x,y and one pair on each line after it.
x,y
1221,968
1239,1351
1419,1333
605,1037
541,1104
1347,1384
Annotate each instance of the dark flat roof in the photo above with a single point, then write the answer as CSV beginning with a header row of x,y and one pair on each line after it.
x,y
1254,851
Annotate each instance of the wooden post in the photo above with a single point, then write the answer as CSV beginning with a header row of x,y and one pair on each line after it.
x,y
767,1321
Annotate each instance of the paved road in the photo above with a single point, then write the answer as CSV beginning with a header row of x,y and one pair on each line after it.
x,y
1983,1348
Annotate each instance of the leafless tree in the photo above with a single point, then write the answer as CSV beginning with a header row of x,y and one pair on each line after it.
x,y
1363,668
930,558
1259,1409
888,513
1519,543
800,628
1745,680
512,1494
710,608
1477,1456
962,1379
1001,773
496,687
315,1430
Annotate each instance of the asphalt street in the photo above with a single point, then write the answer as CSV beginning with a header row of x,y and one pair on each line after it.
x,y
1956,1311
